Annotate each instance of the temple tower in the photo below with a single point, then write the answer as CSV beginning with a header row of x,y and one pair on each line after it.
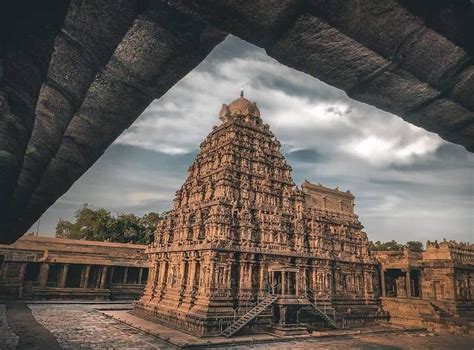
x,y
240,231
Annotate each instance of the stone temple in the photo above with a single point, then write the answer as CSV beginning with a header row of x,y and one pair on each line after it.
x,y
245,250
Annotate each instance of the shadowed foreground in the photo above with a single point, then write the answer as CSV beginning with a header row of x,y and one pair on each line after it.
x,y
75,325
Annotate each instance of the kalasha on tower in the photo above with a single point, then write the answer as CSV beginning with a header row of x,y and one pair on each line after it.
x,y
245,250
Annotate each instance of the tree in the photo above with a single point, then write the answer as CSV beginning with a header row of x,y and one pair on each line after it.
x,y
415,246
379,246
101,225
148,224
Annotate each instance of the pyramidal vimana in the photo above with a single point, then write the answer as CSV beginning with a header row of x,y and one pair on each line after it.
x,y
244,249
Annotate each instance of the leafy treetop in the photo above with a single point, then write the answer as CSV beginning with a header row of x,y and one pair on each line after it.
x,y
101,225
415,246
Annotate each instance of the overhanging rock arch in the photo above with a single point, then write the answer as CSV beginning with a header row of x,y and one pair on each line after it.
x,y
74,78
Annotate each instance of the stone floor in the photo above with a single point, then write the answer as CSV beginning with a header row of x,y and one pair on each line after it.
x,y
91,326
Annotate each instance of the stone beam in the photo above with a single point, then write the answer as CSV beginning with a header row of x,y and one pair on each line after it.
x,y
27,40
384,51
315,47
160,48
410,58
391,31
91,32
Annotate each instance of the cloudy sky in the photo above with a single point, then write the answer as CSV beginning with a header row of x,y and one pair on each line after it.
x,y
409,184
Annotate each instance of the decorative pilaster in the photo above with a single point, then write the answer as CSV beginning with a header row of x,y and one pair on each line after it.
x,y
63,278
103,277
43,276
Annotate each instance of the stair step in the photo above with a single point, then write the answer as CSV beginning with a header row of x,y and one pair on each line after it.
x,y
249,316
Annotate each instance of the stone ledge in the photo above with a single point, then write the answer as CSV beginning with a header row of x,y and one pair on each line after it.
x,y
186,341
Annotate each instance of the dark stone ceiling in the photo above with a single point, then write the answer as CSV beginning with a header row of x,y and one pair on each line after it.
x,y
75,74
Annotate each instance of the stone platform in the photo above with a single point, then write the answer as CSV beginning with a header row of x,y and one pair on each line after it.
x,y
184,341
100,325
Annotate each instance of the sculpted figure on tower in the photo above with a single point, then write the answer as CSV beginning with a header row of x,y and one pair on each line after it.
x,y
240,230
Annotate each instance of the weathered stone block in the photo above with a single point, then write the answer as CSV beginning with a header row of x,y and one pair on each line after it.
x,y
463,90
258,21
467,135
442,116
315,47
380,25
71,68
98,25
431,57
53,114
53,111
394,90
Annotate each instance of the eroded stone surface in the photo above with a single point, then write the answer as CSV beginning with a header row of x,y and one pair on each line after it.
x,y
80,326
77,326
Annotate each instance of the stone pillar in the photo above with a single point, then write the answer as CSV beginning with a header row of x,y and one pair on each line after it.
x,y
111,275
140,275
163,272
103,277
408,283
191,274
43,277
303,280
262,278
211,274
156,278
182,271
242,283
382,282
283,282
63,278
365,285
85,279
250,275
125,275
21,276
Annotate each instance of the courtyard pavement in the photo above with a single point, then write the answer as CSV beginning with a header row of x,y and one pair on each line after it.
x,y
82,325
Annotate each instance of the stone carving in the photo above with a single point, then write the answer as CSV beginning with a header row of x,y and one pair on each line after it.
x,y
250,224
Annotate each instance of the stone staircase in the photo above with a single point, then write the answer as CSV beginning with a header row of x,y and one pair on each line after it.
x,y
249,316
440,309
326,311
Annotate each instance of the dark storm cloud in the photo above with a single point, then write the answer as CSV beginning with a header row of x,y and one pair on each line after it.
x,y
409,184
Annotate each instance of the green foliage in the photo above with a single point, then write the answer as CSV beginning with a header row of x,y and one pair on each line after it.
x,y
415,246
101,225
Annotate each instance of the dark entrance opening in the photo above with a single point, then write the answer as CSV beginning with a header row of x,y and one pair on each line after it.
x,y
395,284
144,276
53,275
118,275
93,281
277,282
132,275
292,283
415,283
74,276
32,272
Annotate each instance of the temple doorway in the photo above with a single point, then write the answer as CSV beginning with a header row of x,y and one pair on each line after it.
x,y
283,281
32,272
74,276
395,283
415,283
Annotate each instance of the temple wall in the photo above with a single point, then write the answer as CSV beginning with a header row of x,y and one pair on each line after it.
x,y
432,289
55,268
